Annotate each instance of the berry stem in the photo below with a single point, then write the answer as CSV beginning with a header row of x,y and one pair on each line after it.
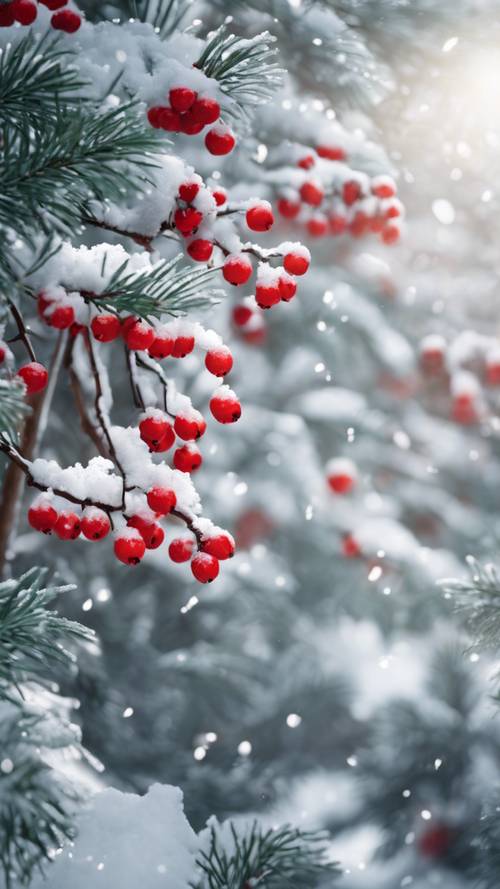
x,y
86,423
22,330
134,382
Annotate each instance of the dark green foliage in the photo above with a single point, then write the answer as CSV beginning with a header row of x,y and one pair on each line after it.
x,y
278,858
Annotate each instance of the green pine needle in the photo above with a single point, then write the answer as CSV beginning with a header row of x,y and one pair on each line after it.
x,y
13,407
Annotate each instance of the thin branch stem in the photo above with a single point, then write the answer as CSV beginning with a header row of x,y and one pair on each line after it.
x,y
22,330
101,416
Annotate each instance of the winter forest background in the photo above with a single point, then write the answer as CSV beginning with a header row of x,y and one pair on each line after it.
x,y
248,305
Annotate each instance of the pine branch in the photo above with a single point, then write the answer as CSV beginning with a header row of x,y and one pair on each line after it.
x,y
31,637
478,601
268,859
48,175
13,407
246,70
166,16
34,79
163,289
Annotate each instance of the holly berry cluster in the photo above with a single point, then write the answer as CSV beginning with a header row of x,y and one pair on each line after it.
x,y
189,113
195,219
25,12
330,198
142,532
462,370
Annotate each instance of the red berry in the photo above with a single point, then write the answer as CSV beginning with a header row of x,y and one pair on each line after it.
x,y
337,224
312,193
152,533
105,328
188,125
181,549
383,187
341,483
351,192
189,428
331,152
162,346
53,4
350,546
154,116
186,221
42,517
288,209
153,429
3,352
220,545
139,336
296,263
359,225
200,250
181,98
187,458
256,336
42,302
219,196
61,318
391,234
219,141
306,162
75,329
95,523
436,841
225,407
127,323
260,218
242,315
25,11
67,526
34,375
205,110
129,548
237,270
161,500
205,568
267,295
317,226
6,15
492,372
219,361
287,287
169,120
392,211
188,191
183,345
66,20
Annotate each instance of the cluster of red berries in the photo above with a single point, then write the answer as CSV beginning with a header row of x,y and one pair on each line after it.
x,y
26,11
351,204
189,113
273,285
141,533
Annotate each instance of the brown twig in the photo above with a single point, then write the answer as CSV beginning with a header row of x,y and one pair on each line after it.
x,y
153,367
85,422
22,330
134,382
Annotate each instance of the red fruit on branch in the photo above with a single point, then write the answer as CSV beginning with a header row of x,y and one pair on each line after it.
x,y
200,250
156,430
188,191
350,546
287,287
152,533
435,842
34,375
161,500
139,336
169,120
190,428
95,523
188,125
6,15
220,545
331,152
42,517
219,196
391,234
25,11
267,295
181,549
220,141
237,270
288,209
205,110
53,4
259,218
181,98
105,328
187,458
351,192
66,20
224,406
60,318
162,346
242,315
205,568
67,526
154,116
219,361
312,193
182,346
187,220
306,162
317,226
129,547
296,263
341,475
